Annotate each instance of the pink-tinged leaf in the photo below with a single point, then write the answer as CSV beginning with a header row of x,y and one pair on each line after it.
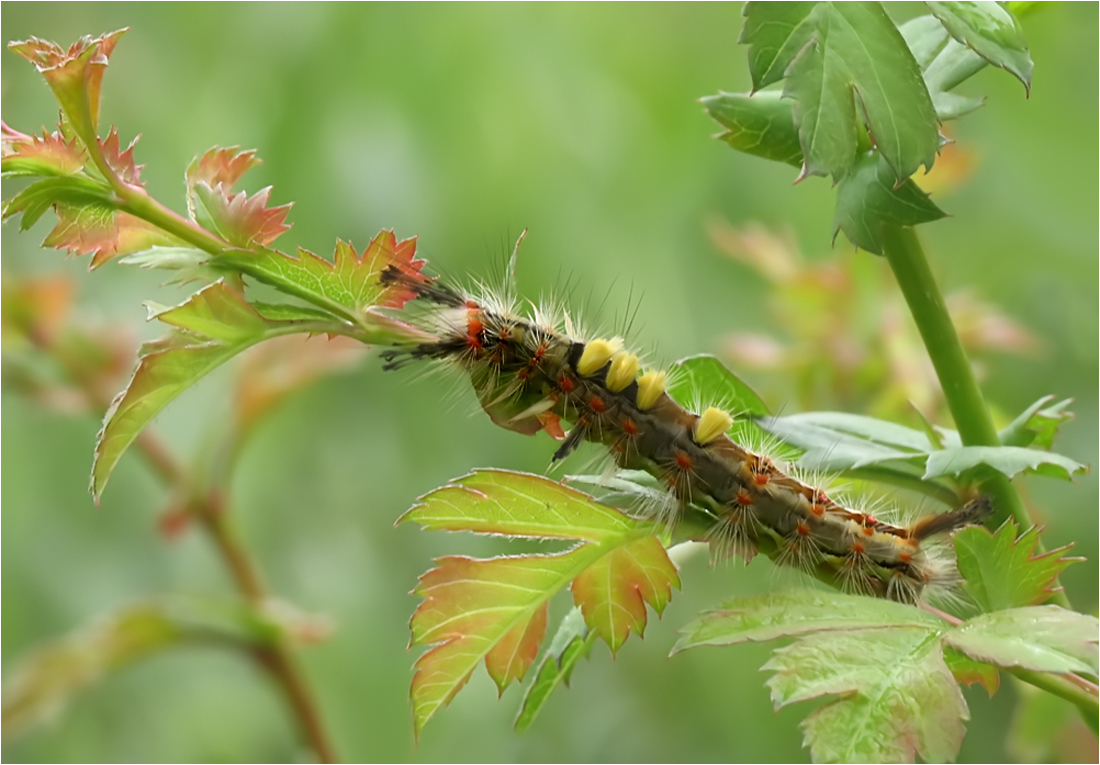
x,y
472,606
217,324
511,658
121,160
50,154
518,504
614,591
97,229
223,166
239,219
74,75
1039,638
348,286
1002,571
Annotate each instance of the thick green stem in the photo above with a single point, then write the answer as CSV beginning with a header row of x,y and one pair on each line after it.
x,y
960,388
1060,686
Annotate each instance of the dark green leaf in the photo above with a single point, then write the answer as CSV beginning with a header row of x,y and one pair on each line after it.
x,y
760,124
1002,571
968,671
1010,460
858,64
775,32
944,63
991,31
1039,638
798,612
571,643
867,201
1038,424
896,697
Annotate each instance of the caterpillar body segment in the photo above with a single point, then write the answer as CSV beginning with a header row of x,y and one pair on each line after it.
x,y
530,375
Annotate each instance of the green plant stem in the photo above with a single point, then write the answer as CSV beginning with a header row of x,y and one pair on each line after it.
x,y
138,202
1065,688
960,388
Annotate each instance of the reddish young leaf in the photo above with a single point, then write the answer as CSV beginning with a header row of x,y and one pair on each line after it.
x,y
348,286
614,591
30,155
97,229
121,161
219,165
510,659
75,75
239,219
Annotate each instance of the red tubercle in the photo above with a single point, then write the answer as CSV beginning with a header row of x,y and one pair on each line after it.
x,y
802,529
858,548
566,384
683,461
760,479
744,499
868,531
762,470
597,404
905,556
629,426
472,304
817,509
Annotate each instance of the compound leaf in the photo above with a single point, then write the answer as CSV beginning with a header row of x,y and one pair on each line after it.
x,y
1002,571
896,696
1039,638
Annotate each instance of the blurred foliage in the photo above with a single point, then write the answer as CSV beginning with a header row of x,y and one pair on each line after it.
x,y
464,125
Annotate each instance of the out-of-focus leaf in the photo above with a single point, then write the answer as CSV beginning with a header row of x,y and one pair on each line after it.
x,y
168,258
775,33
29,155
991,31
944,64
349,285
761,124
1002,571
75,75
703,379
571,643
489,610
857,64
1010,460
798,612
896,696
1039,638
1038,424
968,671
613,592
44,681
518,504
218,324
868,199
1047,728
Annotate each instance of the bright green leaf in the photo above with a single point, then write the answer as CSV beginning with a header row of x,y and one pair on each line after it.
x,y
571,643
829,449
968,671
896,697
1002,571
705,379
42,195
217,324
775,33
1038,424
857,65
1010,460
991,31
761,124
798,612
613,592
519,504
1039,638
867,201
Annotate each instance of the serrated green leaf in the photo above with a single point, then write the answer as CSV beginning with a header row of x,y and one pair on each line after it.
x,y
775,33
705,379
30,155
991,31
867,201
613,592
1002,571
239,219
348,286
828,449
925,37
868,428
761,124
168,258
897,698
1010,460
519,504
798,612
44,681
571,643
944,64
217,324
1038,638
1038,424
40,196
857,64
968,671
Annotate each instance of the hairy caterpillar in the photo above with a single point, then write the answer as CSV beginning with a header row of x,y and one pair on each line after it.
x,y
532,372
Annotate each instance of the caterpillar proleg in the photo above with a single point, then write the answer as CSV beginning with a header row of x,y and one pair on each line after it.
x,y
531,372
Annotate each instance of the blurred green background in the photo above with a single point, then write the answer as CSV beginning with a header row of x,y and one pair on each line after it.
x,y
464,124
